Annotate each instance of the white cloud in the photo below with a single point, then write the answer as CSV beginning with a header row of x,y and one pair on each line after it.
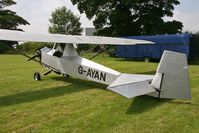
x,y
190,20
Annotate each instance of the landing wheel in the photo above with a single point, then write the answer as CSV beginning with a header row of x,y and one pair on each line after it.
x,y
66,75
146,59
37,76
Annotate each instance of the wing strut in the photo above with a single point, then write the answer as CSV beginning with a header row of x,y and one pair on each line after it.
x,y
103,50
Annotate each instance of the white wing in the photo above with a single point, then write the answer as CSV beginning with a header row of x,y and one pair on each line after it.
x,y
11,35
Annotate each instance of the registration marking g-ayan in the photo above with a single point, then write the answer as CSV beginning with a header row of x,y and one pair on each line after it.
x,y
92,73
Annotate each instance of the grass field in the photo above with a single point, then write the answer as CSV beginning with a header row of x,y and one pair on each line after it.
x,y
57,104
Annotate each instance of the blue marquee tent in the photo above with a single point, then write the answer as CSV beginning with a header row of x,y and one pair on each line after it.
x,y
173,42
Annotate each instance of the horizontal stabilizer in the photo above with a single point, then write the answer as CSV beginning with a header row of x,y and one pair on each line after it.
x,y
10,35
131,85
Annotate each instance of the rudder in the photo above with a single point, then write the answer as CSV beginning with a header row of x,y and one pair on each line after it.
x,y
172,78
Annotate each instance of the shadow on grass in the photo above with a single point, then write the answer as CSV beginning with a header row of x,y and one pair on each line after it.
x,y
142,104
30,96
185,102
145,103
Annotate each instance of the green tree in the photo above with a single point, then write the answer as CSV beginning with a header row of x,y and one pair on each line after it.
x,y
9,20
64,22
130,17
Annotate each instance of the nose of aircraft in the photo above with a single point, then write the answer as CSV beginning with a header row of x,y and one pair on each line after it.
x,y
37,54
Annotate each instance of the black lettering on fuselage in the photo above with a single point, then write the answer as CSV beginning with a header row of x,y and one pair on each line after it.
x,y
80,70
96,75
89,73
103,76
92,73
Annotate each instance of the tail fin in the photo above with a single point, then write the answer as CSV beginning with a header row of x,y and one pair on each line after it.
x,y
172,78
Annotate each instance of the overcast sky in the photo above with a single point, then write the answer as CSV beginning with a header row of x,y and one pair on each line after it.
x,y
37,13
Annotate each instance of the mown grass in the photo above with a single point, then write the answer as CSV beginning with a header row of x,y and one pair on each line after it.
x,y
57,104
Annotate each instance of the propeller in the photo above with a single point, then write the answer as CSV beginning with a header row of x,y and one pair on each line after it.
x,y
38,54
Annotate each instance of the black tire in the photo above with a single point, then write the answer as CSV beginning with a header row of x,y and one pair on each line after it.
x,y
146,59
37,76
66,75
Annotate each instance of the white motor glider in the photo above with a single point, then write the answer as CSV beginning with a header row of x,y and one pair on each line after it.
x,y
170,81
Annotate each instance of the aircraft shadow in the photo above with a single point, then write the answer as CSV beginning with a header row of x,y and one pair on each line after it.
x,y
142,104
35,95
145,103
